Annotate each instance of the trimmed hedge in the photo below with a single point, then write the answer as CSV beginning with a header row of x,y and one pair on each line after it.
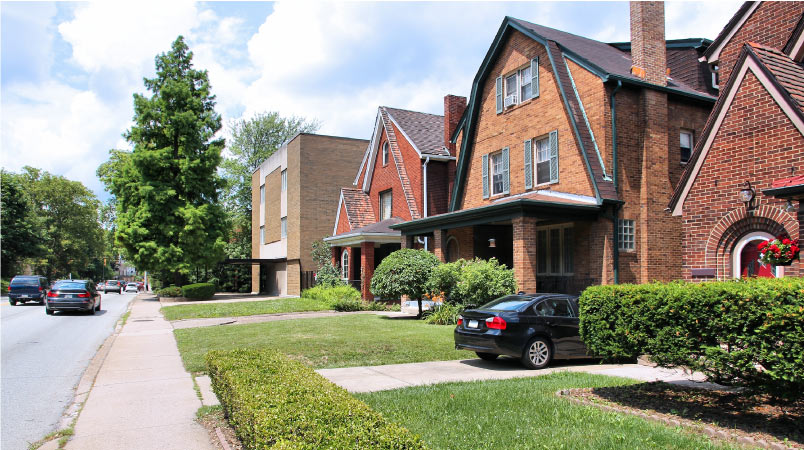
x,y
170,291
275,402
332,294
198,291
746,333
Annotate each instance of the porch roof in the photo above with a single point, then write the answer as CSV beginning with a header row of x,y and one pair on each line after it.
x,y
788,188
380,232
533,204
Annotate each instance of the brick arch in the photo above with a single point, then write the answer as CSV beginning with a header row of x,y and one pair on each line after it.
x,y
738,223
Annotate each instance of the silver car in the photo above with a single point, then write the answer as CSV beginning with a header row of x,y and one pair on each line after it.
x,y
131,287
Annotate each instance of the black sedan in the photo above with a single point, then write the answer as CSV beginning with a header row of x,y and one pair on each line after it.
x,y
73,295
533,327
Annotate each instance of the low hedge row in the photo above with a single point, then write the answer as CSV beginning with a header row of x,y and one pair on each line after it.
x,y
198,291
170,291
743,333
275,402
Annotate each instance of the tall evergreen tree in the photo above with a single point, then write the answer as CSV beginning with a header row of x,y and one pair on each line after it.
x,y
168,216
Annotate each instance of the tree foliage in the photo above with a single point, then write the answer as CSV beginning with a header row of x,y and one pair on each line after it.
x,y
404,272
168,216
22,231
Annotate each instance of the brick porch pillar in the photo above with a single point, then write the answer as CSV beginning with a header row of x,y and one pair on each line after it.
x,y
440,244
525,253
255,278
406,242
366,269
336,256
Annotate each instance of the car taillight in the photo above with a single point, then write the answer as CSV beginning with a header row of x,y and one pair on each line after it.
x,y
460,320
9,289
41,289
84,295
52,294
495,323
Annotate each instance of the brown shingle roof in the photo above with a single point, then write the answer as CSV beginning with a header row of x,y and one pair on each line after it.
x,y
359,211
425,130
788,73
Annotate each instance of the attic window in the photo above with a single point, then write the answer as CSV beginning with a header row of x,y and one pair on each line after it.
x,y
385,153
716,76
518,87
686,145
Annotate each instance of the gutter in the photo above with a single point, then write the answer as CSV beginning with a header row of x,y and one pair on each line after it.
x,y
425,196
614,165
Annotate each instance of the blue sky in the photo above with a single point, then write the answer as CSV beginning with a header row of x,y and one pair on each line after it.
x,y
69,70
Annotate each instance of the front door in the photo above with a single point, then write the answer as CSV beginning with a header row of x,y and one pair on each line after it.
x,y
750,265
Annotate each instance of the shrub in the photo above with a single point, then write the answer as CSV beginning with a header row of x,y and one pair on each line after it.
x,y
443,279
404,272
741,333
4,286
170,291
443,314
272,401
198,291
347,304
482,281
327,276
331,294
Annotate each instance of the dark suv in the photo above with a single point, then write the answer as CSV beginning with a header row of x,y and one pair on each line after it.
x,y
112,286
25,288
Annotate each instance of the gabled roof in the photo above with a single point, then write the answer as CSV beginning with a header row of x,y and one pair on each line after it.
x,y
379,232
780,76
359,211
604,60
712,54
425,131
795,45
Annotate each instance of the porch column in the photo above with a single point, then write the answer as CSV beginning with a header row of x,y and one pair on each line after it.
x,y
353,271
366,269
336,256
407,241
255,278
439,244
525,253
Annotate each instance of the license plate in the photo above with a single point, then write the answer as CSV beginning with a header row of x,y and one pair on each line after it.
x,y
472,324
23,296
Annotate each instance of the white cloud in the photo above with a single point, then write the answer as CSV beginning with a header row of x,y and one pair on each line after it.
x,y
698,19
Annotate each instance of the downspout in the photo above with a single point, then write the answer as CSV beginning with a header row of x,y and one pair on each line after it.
x,y
615,179
427,160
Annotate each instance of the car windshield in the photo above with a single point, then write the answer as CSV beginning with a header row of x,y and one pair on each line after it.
x,y
508,303
69,285
112,282
25,282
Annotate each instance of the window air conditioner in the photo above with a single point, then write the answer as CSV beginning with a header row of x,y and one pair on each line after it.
x,y
510,100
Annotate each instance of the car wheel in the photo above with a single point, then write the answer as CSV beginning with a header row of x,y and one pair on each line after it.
x,y
48,311
12,302
537,354
487,356
98,307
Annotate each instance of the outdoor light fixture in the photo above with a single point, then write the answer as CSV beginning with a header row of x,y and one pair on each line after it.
x,y
747,195
492,243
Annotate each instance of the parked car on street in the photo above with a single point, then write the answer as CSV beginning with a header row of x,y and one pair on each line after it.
x,y
73,295
112,286
25,288
131,287
99,286
536,328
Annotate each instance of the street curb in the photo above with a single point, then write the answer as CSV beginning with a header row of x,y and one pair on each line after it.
x,y
87,380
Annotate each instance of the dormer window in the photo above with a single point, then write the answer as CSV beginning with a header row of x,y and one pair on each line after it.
x,y
518,87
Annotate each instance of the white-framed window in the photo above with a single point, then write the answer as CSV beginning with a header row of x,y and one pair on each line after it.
x,y
687,143
385,153
626,234
262,235
262,194
283,227
555,250
498,173
386,204
716,76
345,264
519,86
511,89
284,176
541,149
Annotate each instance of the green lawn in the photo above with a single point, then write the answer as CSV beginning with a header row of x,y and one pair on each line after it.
x,y
523,413
343,341
236,309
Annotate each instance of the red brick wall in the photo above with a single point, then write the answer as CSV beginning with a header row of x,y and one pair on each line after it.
x,y
343,221
413,166
386,177
437,187
771,25
454,107
647,41
533,118
756,142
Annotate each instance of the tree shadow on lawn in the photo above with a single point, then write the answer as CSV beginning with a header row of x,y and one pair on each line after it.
x,y
741,411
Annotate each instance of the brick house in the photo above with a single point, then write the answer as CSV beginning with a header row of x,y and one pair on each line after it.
x,y
291,195
403,176
753,141
568,152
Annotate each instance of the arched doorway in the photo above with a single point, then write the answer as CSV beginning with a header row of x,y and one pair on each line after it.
x,y
746,258
452,253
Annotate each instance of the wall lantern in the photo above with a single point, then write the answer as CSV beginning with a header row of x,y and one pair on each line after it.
x,y
747,194
492,243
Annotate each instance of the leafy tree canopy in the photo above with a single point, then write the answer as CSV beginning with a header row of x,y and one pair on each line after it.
x,y
22,231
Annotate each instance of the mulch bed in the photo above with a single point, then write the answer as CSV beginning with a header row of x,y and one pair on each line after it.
x,y
755,420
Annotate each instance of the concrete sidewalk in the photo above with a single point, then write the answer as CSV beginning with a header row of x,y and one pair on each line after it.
x,y
142,397
394,376
258,318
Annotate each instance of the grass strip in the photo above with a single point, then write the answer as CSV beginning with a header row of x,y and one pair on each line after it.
x,y
524,413
237,309
343,341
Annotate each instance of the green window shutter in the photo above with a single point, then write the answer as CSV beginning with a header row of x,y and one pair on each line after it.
x,y
506,181
485,173
499,95
534,77
528,165
554,156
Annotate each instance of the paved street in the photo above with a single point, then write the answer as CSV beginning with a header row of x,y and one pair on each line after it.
x,y
43,357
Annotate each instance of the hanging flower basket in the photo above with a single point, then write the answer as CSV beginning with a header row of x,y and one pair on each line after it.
x,y
781,251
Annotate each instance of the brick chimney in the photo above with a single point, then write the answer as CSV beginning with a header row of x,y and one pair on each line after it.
x,y
453,110
648,46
